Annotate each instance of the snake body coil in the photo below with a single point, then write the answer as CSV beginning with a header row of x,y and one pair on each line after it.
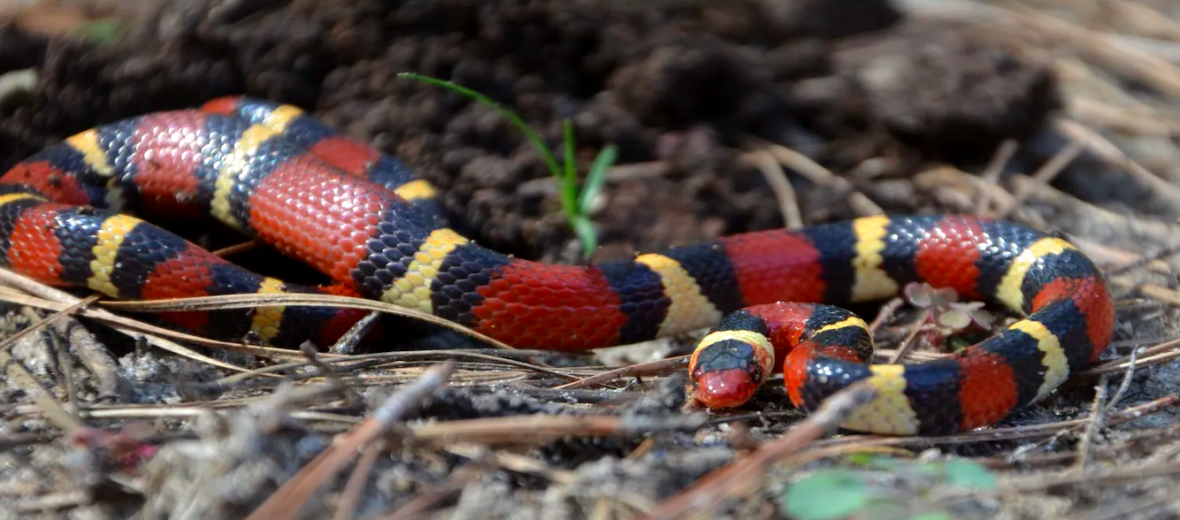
x,y
360,217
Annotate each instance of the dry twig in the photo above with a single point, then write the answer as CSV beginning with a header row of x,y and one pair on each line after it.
x,y
991,174
1126,383
251,301
1161,353
776,177
1165,193
742,475
1044,175
286,501
238,248
824,177
350,497
916,328
1144,260
886,313
417,506
534,429
662,366
1096,413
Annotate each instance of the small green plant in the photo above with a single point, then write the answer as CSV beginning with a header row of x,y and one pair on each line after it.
x,y
574,202
101,31
948,319
833,494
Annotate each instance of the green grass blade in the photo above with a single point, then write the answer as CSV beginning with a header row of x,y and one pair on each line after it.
x,y
573,203
102,31
529,133
586,233
596,177
569,179
571,166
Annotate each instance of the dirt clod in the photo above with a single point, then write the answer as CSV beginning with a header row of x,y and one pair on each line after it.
x,y
953,93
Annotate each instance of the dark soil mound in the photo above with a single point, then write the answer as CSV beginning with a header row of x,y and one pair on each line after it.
x,y
681,86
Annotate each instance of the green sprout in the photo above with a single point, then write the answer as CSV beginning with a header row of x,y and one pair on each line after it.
x,y
863,491
102,31
575,203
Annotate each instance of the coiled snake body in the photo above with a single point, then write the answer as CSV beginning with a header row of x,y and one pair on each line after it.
x,y
272,172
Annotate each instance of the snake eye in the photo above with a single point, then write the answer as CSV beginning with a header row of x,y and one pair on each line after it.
x,y
727,388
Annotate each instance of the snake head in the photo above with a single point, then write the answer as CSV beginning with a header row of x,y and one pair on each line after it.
x,y
727,373
724,388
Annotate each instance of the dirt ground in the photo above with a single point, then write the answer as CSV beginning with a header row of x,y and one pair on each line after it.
x,y
728,117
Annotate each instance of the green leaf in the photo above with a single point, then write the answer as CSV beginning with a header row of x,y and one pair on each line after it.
x,y
529,133
890,463
586,233
931,515
946,295
102,31
954,319
862,459
919,294
826,495
960,472
955,344
982,317
569,179
596,177
571,162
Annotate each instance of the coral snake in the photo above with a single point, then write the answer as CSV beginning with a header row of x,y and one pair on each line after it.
x,y
274,173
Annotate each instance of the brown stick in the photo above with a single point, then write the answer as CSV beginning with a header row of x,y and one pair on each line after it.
x,y
542,428
991,174
286,501
640,369
237,248
711,490
776,177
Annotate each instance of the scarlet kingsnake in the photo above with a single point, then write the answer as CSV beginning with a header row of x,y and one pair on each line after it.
x,y
361,217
